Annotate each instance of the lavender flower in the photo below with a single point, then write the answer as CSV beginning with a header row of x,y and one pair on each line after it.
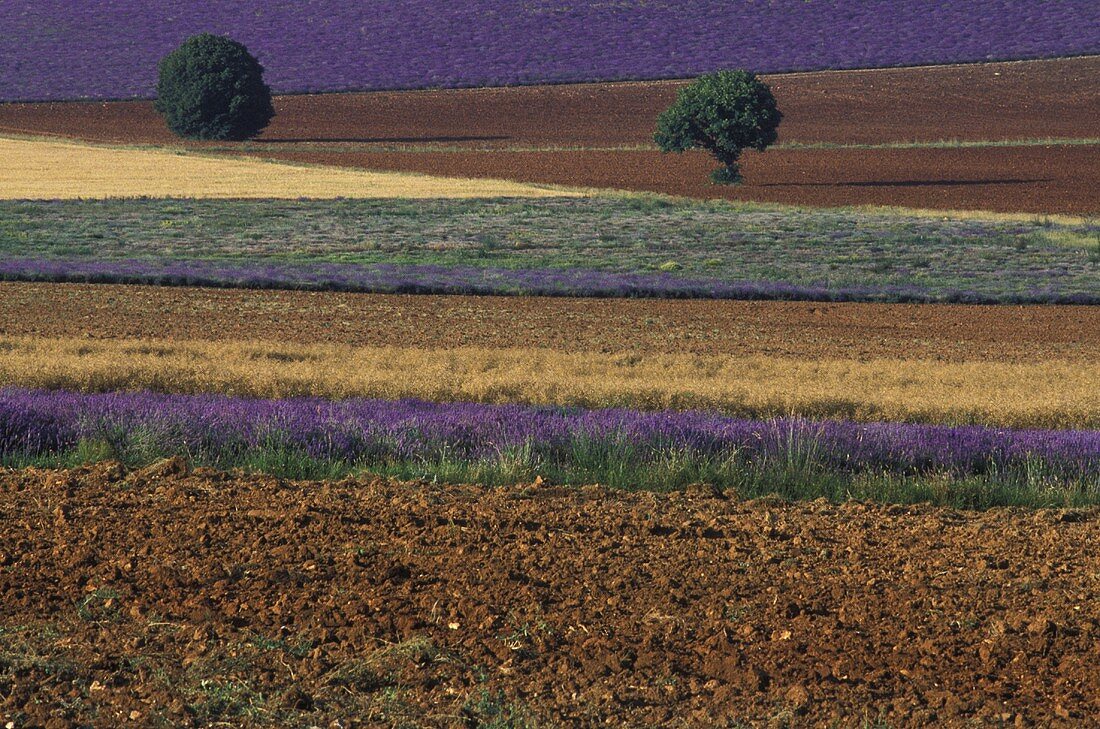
x,y
493,281
216,427
57,49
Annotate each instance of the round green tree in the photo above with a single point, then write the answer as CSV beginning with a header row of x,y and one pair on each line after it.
x,y
211,87
724,113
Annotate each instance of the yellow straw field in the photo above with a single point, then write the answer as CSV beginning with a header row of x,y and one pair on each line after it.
x,y
1045,394
40,169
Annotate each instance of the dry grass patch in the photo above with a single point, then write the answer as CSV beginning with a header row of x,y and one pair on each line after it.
x,y
1045,394
41,169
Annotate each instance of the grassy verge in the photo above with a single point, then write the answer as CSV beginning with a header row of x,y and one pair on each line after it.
x,y
793,475
886,255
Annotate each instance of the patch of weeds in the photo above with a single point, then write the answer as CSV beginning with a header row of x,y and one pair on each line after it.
x,y
299,648
94,451
492,710
488,241
734,613
101,606
28,648
669,681
520,641
391,708
363,676
419,650
969,623
526,636
225,699
378,669
221,663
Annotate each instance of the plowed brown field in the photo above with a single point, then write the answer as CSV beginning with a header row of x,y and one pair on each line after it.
x,y
1029,179
1018,101
165,598
785,329
1029,99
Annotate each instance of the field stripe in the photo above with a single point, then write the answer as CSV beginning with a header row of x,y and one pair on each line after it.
x,y
1051,394
489,148
37,169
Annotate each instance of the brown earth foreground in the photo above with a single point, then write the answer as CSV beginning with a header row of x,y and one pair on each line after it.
x,y
163,598
986,102
783,329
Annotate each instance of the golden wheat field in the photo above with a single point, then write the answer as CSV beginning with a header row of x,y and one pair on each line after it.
x,y
1044,394
39,169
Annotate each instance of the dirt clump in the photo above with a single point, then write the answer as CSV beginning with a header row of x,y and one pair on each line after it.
x,y
206,597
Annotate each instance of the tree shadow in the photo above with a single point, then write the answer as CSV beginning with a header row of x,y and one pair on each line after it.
x,y
378,140
910,183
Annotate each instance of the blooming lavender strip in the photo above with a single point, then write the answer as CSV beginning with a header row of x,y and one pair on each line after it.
x,y
435,279
35,422
59,49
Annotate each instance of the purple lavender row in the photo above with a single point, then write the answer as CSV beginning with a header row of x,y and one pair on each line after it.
x,y
34,422
473,280
59,49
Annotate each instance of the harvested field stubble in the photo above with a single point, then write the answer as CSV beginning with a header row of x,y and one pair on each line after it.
x,y
1054,394
48,170
192,599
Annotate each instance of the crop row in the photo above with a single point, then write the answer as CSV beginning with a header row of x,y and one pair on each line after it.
x,y
509,442
1042,394
600,246
49,170
488,281
52,49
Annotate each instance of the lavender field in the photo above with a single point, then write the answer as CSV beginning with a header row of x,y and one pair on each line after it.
x,y
278,450
601,247
506,442
490,281
100,49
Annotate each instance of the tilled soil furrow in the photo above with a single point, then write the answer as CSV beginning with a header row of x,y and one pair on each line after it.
x,y
956,333
194,597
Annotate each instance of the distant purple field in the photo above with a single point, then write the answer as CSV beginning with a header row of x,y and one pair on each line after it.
x,y
377,431
59,49
475,280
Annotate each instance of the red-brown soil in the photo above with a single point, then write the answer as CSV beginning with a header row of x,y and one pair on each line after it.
x,y
1003,179
787,329
1027,100
162,598
1022,100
